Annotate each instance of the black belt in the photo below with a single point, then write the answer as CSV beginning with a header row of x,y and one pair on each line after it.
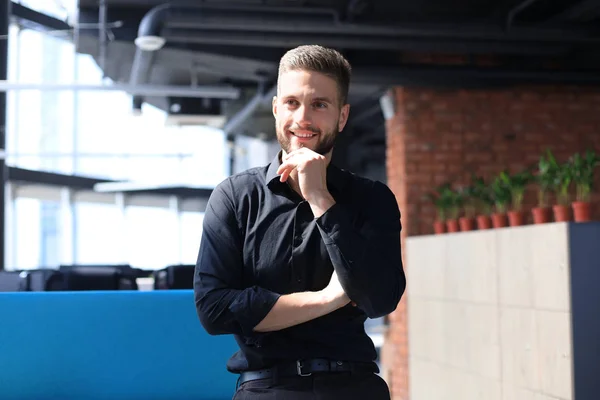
x,y
307,368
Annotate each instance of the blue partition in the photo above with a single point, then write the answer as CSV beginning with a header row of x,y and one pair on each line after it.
x,y
110,345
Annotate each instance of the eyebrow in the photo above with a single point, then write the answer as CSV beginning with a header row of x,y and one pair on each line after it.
x,y
320,98
323,99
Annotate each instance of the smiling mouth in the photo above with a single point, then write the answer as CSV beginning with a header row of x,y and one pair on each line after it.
x,y
303,135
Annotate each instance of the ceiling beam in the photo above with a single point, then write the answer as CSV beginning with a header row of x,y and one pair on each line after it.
x,y
442,44
458,75
31,19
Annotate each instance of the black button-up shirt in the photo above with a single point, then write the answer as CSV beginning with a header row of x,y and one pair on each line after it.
x,y
260,240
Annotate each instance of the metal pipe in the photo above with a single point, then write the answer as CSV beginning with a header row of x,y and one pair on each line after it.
x,y
311,11
102,34
5,13
264,23
264,39
149,31
218,92
4,155
154,20
431,74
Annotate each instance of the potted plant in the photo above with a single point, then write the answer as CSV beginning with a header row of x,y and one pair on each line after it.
x,y
467,200
516,184
502,197
562,175
484,202
543,177
454,206
583,177
441,199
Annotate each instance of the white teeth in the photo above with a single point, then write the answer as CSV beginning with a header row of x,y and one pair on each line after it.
x,y
300,135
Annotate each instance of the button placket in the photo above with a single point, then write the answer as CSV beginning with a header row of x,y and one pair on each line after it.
x,y
296,242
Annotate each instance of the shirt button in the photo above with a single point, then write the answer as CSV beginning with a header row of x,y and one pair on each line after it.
x,y
297,240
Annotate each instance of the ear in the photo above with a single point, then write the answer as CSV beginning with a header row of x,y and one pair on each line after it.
x,y
344,113
274,104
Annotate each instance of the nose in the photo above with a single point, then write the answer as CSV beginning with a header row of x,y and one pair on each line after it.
x,y
302,116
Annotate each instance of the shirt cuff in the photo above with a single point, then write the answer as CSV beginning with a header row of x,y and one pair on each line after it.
x,y
332,222
252,306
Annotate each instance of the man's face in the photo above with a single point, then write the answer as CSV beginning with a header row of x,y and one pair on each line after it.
x,y
307,111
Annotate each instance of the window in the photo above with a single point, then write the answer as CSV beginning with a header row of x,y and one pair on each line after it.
x,y
100,235
152,237
191,233
37,235
95,133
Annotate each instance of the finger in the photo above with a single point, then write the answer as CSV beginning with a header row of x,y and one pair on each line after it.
x,y
285,170
285,174
293,154
285,165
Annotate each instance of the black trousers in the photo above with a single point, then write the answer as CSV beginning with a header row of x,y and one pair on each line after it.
x,y
319,386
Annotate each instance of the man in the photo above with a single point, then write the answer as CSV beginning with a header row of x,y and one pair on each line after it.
x,y
297,254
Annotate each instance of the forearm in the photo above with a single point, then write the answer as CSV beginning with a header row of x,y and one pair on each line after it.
x,y
366,254
297,308
320,202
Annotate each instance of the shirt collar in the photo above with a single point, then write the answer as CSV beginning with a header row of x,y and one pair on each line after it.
x,y
336,178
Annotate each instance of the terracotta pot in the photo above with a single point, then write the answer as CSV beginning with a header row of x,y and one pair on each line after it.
x,y
484,222
466,224
452,225
541,215
561,213
516,218
499,220
439,227
582,211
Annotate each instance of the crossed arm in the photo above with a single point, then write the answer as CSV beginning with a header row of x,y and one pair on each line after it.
x,y
367,263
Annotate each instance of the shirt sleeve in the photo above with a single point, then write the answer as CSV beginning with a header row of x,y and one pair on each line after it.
x,y
223,304
364,246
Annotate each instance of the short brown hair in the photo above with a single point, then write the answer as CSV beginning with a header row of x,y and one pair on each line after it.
x,y
320,59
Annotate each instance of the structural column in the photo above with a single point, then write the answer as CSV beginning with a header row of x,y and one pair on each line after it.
x,y
395,352
4,24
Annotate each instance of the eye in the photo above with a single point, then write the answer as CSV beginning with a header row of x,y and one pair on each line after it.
x,y
320,104
291,102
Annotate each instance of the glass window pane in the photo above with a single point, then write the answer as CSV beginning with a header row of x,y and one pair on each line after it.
x,y
37,234
40,123
152,237
191,233
99,234
94,132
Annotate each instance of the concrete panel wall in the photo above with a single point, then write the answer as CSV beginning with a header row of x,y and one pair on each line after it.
x,y
489,315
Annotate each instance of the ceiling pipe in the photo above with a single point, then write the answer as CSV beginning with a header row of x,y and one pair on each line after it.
x,y
423,75
148,42
204,20
217,92
286,40
150,38
102,33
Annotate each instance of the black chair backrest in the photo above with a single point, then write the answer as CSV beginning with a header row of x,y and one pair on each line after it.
x,y
125,277
12,281
44,279
175,277
97,278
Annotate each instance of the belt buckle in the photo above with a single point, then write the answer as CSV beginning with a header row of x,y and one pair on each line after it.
x,y
299,369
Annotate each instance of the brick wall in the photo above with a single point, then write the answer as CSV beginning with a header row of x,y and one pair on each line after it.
x,y
446,135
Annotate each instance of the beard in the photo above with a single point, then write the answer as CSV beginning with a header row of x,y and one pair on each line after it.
x,y
324,145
